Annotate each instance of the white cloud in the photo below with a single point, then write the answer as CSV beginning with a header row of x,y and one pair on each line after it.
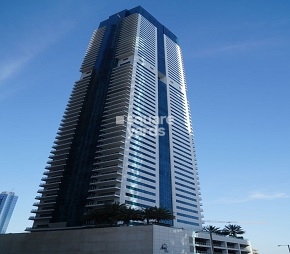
x,y
235,47
31,46
13,65
253,196
259,195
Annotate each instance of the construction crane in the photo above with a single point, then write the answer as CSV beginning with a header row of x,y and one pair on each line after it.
x,y
234,222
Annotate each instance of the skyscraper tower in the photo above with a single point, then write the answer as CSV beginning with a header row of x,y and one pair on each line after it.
x,y
7,203
126,134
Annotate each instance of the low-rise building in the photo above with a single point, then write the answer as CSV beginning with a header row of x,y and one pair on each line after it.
x,y
147,239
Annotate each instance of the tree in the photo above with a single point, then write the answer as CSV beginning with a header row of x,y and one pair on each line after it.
x,y
233,230
128,214
212,229
148,214
161,213
108,214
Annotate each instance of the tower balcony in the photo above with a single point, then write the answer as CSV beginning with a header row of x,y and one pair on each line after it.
x,y
115,153
105,189
109,128
45,210
51,178
106,146
48,190
108,163
108,151
113,113
60,150
58,156
54,171
73,106
112,139
105,196
78,100
105,181
118,167
122,102
66,130
45,203
118,99
111,107
109,123
61,161
68,119
68,123
62,141
118,94
64,135
103,175
77,93
50,184
44,217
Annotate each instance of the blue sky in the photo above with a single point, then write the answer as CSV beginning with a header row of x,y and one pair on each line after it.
x,y
237,63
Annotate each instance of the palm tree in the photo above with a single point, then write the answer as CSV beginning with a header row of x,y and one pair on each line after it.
x,y
128,213
212,229
162,213
233,230
108,214
148,214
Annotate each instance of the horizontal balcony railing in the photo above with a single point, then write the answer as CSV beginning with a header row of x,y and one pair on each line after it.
x,y
64,130
78,92
76,99
107,174
49,184
54,170
58,156
119,85
106,181
57,161
51,178
60,150
62,141
105,196
109,156
107,146
113,128
124,99
104,189
40,218
109,167
48,190
118,112
119,94
107,163
112,139
110,111
111,150
62,146
42,210
46,203
201,243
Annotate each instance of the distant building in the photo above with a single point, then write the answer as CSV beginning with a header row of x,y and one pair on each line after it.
x,y
255,251
7,204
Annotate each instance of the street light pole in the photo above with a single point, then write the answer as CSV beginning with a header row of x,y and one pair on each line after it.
x,y
288,245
